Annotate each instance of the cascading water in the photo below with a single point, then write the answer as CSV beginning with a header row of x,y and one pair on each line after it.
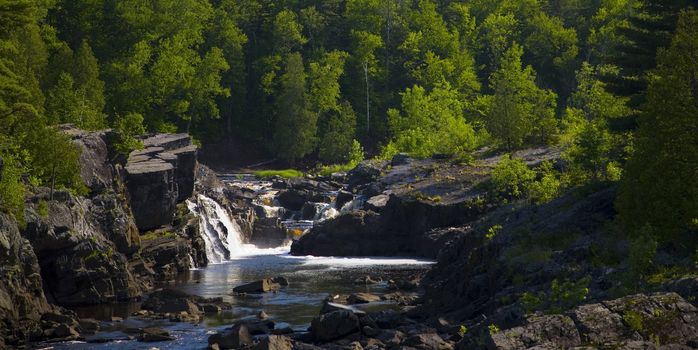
x,y
222,235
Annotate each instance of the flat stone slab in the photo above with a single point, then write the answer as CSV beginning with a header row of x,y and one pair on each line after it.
x,y
149,166
168,141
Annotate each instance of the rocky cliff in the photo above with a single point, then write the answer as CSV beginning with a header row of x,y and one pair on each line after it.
x,y
74,250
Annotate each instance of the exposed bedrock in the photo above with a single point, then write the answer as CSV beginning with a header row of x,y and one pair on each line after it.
x,y
158,177
22,300
399,230
79,264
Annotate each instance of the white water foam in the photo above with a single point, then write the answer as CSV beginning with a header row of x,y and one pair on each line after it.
x,y
357,261
223,236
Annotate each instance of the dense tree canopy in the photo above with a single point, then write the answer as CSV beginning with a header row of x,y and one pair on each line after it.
x,y
322,80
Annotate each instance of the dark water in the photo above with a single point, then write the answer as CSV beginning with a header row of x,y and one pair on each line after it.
x,y
311,281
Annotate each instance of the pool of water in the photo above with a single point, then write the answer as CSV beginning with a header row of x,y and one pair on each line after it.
x,y
311,280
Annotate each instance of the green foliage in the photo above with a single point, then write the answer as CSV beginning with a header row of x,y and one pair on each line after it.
x,y
493,231
462,330
641,255
126,129
42,209
337,142
431,122
295,128
286,174
520,112
548,185
55,160
660,186
561,297
356,156
633,319
493,329
11,187
511,178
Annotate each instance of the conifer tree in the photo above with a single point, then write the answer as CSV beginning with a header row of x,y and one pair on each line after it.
x,y
296,126
660,186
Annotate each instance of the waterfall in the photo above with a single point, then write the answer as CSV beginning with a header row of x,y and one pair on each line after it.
x,y
222,235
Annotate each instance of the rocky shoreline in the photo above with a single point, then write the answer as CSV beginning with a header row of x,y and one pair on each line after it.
x,y
508,276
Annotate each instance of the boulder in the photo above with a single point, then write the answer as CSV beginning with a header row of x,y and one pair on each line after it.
x,y
363,298
268,232
293,199
343,197
328,307
428,341
334,325
280,280
234,338
261,286
258,326
274,342
153,334
377,203
364,173
171,301
400,159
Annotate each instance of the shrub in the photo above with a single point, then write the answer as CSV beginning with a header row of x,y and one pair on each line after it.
x,y
42,209
641,255
11,188
127,129
512,177
547,187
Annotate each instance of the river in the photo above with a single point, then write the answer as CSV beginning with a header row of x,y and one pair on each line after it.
x,y
311,280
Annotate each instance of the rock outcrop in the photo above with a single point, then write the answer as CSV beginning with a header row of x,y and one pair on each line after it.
x,y
79,264
659,321
22,300
158,177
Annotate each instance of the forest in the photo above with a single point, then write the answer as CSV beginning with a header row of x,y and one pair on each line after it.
x,y
613,83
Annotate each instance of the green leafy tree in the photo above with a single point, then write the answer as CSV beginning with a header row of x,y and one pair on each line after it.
x,y
296,125
431,122
337,141
660,186
520,110
55,160
127,129
511,178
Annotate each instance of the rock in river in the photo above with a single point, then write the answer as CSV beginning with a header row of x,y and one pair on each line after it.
x,y
261,286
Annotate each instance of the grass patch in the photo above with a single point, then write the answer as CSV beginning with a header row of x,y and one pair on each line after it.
x,y
328,170
286,173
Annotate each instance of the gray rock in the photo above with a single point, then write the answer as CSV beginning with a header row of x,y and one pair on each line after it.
x,y
153,334
274,342
377,203
429,341
234,338
160,176
363,298
261,286
343,197
400,159
334,325
364,173
171,301
328,307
